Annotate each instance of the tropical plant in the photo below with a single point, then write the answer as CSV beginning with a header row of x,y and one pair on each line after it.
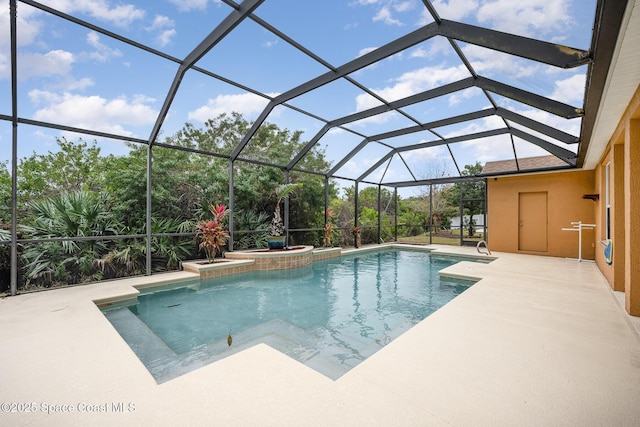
x,y
5,194
282,191
67,215
129,257
167,251
356,237
329,228
253,229
327,241
211,233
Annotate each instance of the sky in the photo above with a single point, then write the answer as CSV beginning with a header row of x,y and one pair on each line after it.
x,y
75,76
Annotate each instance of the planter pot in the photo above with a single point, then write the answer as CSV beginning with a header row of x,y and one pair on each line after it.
x,y
276,242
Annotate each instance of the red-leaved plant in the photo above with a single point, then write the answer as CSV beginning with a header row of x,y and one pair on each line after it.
x,y
212,234
328,229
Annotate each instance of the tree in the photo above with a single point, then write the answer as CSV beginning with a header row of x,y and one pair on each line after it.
x,y
472,194
64,185
253,184
125,181
75,166
469,190
5,194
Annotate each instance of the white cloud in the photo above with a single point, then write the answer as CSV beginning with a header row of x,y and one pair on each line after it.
x,y
351,26
5,71
93,112
160,22
384,15
336,131
462,95
486,149
164,38
404,6
386,11
366,50
570,126
166,28
356,167
525,18
419,53
428,154
425,18
486,60
102,52
437,46
525,149
247,104
187,5
413,82
28,25
121,15
55,62
570,90
69,83
481,125
455,10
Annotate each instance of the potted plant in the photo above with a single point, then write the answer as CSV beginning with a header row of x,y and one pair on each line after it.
x,y
277,238
212,234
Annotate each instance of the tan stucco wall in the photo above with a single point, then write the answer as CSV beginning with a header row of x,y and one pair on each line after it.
x,y
623,156
564,205
614,157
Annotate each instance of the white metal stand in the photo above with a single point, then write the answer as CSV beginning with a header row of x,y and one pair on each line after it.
x,y
579,226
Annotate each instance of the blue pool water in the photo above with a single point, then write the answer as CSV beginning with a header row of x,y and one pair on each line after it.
x,y
330,315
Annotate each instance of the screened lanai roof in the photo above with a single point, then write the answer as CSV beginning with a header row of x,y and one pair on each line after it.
x,y
397,93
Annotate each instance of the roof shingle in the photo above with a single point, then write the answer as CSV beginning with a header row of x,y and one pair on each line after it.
x,y
527,163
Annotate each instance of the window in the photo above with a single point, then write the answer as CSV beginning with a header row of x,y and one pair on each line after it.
x,y
607,200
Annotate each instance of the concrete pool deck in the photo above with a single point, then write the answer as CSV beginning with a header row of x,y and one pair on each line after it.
x,y
538,341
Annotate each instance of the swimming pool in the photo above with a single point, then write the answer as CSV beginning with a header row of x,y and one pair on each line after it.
x,y
330,315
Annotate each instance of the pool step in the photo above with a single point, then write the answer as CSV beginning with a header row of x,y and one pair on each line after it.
x,y
149,348
332,353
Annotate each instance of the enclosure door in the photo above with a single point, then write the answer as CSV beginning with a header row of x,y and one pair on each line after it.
x,y
532,217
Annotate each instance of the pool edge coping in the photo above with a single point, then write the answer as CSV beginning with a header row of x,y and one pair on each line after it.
x,y
162,279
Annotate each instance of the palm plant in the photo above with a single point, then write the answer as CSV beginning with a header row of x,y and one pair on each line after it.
x,y
67,215
257,227
282,191
167,251
128,258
